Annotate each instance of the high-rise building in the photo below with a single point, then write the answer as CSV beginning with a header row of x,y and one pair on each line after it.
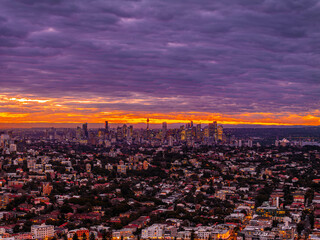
x,y
183,135
106,126
206,132
215,135
130,131
124,131
85,130
219,133
211,130
79,133
119,133
198,131
164,129
189,125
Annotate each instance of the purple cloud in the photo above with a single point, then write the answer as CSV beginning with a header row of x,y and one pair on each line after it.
x,y
210,56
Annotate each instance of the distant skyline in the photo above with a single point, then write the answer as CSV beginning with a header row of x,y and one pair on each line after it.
x,y
5,126
235,62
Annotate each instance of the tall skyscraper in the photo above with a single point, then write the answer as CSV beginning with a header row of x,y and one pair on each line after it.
x,y
148,124
130,131
215,135
211,130
220,133
124,131
164,127
85,130
107,126
78,133
198,131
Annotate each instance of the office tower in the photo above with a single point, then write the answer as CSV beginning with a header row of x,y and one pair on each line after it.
x,y
206,132
215,135
193,132
119,134
215,124
164,129
164,126
85,130
189,134
211,128
130,131
189,125
183,135
124,131
199,127
219,133
147,124
106,126
198,131
79,133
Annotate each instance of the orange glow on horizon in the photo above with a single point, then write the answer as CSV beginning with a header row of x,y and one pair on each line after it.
x,y
28,109
156,118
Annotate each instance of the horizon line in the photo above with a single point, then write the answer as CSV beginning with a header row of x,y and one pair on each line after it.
x,y
113,124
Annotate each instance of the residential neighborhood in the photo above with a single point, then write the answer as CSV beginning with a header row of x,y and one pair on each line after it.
x,y
56,186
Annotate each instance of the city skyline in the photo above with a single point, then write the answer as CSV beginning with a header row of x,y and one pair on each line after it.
x,y
248,62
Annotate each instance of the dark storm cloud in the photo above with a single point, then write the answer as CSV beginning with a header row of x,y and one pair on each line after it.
x,y
226,56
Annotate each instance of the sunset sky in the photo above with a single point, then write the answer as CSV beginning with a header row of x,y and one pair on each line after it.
x,y
233,61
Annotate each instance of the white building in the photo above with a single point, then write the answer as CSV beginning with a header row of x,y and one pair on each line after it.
x,y
42,231
154,231
13,147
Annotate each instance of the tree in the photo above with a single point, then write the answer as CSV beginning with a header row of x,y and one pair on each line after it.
x,y
300,227
311,219
84,236
75,237
92,237
192,235
309,196
16,228
66,208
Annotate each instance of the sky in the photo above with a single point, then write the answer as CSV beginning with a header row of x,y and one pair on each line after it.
x,y
231,61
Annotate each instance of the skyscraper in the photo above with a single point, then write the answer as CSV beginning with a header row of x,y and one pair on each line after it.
x,y
85,130
148,132
107,126
220,133
198,131
211,130
164,127
215,135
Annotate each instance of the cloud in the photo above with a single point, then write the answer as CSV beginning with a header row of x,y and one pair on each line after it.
x,y
177,56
